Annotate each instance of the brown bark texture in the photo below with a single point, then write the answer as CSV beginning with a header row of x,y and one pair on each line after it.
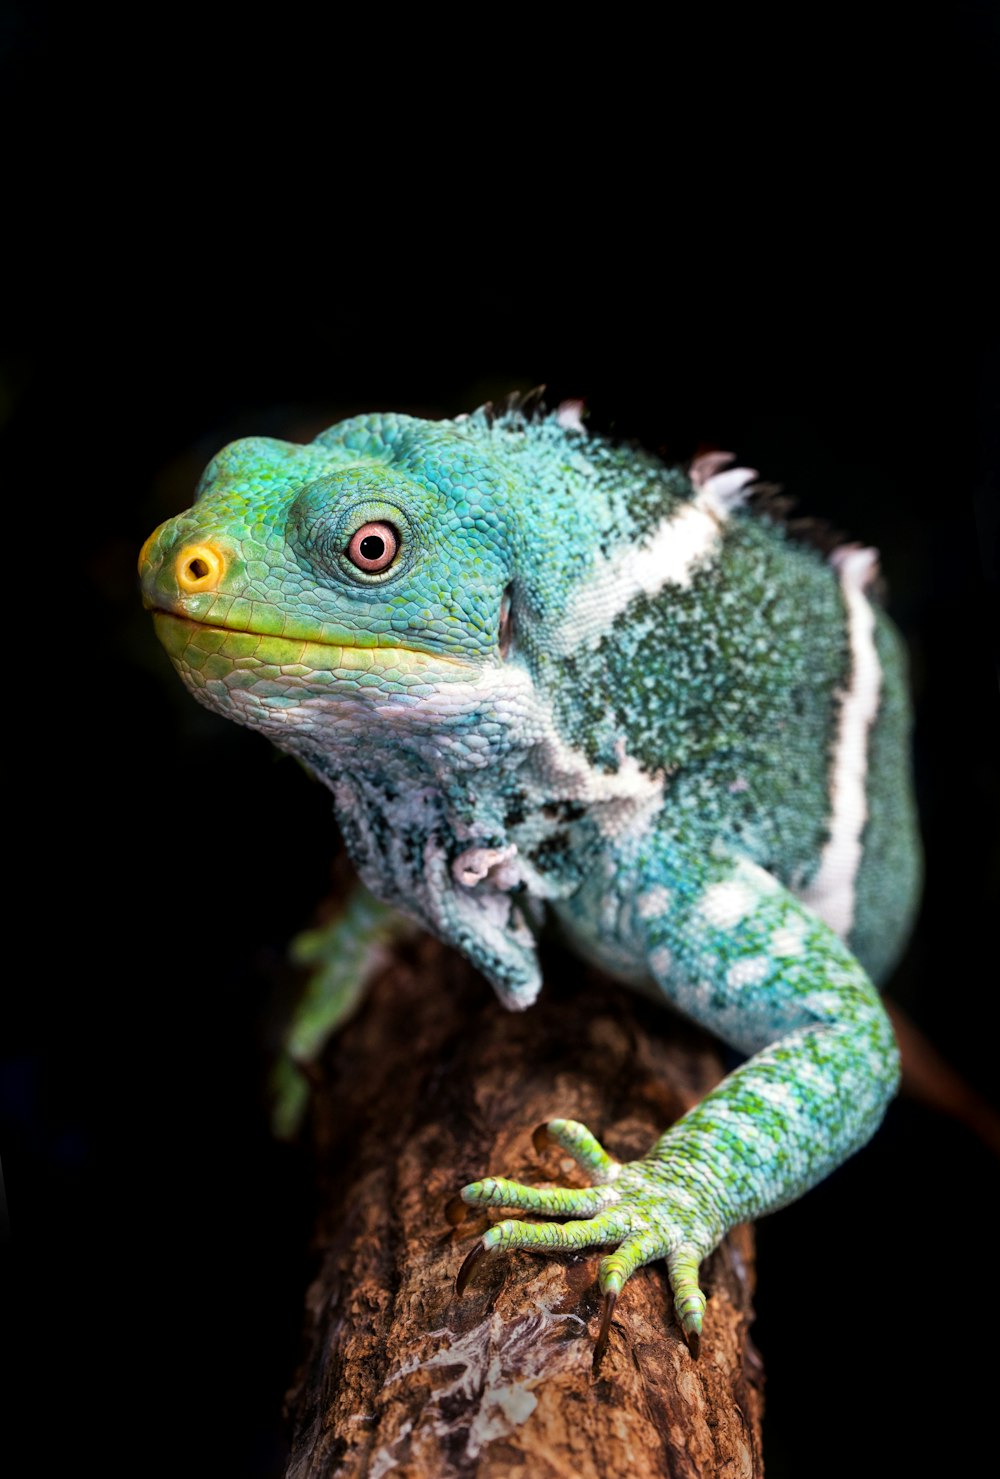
x,y
434,1085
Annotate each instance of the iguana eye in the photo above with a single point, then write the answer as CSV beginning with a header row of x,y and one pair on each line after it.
x,y
373,547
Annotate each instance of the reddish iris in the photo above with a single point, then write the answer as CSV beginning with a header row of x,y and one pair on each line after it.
x,y
373,547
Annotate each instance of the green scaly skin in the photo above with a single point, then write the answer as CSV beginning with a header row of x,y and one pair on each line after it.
x,y
541,673
342,956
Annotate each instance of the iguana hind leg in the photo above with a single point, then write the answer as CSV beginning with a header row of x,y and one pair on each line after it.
x,y
343,957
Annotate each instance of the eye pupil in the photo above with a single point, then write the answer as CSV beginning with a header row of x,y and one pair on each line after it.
x,y
372,546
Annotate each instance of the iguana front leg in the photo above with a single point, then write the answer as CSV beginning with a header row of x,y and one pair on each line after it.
x,y
737,952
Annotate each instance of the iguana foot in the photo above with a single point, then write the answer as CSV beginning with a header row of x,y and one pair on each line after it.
x,y
647,1207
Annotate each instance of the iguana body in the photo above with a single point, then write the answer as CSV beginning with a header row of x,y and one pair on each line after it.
x,y
542,673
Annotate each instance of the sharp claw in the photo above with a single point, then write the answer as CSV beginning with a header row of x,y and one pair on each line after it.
x,y
456,1211
540,1137
468,1267
610,1300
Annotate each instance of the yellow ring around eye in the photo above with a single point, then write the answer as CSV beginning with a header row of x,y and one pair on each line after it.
x,y
199,567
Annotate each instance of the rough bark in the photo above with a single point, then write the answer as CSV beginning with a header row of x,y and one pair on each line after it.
x,y
432,1086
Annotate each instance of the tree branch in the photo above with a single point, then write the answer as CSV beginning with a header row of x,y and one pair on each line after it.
x,y
435,1085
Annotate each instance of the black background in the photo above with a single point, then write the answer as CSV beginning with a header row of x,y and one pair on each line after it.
x,y
195,255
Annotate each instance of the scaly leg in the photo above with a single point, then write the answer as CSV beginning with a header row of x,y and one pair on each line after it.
x,y
737,952
345,955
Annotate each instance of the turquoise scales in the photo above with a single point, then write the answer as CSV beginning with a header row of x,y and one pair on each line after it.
x,y
542,672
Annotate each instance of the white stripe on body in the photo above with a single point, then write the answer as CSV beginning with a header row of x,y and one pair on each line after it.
x,y
668,556
831,893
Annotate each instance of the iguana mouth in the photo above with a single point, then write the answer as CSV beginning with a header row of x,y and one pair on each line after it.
x,y
181,635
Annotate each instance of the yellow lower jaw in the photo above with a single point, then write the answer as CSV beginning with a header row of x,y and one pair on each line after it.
x,y
195,644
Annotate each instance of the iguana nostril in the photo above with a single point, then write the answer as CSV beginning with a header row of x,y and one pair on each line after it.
x,y
199,567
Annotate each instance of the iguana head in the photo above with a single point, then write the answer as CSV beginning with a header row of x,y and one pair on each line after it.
x,y
369,565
